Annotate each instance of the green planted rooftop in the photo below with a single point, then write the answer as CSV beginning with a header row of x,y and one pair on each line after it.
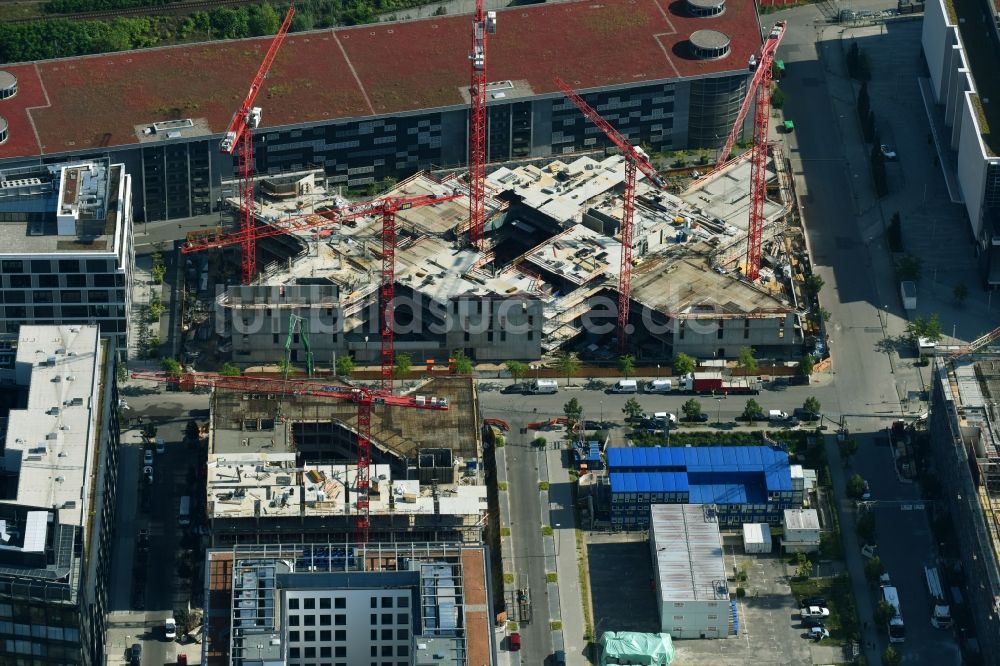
x,y
983,52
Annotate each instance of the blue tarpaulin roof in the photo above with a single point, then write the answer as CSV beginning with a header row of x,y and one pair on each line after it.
x,y
718,461
648,482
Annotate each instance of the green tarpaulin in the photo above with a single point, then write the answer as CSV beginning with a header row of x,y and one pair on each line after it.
x,y
789,126
633,648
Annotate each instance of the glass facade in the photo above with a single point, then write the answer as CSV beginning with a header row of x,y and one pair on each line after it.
x,y
715,103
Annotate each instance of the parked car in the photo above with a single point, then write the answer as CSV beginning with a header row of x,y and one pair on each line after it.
x,y
819,633
135,654
812,601
161,445
869,551
867,493
182,659
887,152
170,629
810,622
515,642
147,474
698,418
147,457
814,611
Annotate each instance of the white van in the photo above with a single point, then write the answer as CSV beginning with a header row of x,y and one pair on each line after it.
x,y
777,415
543,386
625,386
660,386
184,515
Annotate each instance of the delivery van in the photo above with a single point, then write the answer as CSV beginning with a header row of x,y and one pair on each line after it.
x,y
660,386
543,386
625,386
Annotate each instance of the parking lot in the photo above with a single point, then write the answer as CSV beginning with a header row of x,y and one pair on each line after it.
x,y
771,631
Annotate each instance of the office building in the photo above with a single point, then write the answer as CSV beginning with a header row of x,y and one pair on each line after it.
x,y
58,481
346,605
961,43
369,102
66,250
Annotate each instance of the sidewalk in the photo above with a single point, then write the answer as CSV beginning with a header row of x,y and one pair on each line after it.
x,y
562,518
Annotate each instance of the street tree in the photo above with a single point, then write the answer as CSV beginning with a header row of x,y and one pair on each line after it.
x,y
691,409
573,410
805,366
626,364
171,366
568,363
516,369
891,656
632,408
883,612
684,364
814,283
925,327
462,363
752,412
404,363
777,98
746,362
812,406
909,267
855,486
873,570
848,447
345,366
229,370
960,292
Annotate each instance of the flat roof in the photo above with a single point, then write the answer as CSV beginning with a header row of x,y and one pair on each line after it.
x,y
801,519
690,565
578,255
240,485
91,102
50,443
707,460
88,194
687,287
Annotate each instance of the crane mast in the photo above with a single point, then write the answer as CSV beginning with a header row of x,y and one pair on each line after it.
x,y
239,140
758,159
483,23
635,160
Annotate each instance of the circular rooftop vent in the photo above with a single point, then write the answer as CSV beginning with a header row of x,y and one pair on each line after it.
x,y
709,44
706,7
3,129
8,85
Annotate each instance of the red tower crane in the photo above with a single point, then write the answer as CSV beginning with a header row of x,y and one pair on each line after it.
x,y
635,159
976,344
239,140
758,159
387,207
362,397
483,23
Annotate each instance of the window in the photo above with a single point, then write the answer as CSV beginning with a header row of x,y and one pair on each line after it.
x,y
386,602
310,652
340,602
309,603
104,280
40,266
71,296
386,618
293,620
310,620
340,635
325,651
48,280
340,651
374,634
309,636
76,280
97,266
293,652
42,296
401,618
325,602
324,620
386,650
373,618
12,266
20,281
374,602
324,636
374,650
293,636
69,266
402,650
340,620
402,602
387,634
402,634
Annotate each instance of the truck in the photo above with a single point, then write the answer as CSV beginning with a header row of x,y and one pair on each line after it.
x,y
941,611
713,382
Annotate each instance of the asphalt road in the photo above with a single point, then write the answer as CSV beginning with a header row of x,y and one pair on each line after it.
x,y
845,229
